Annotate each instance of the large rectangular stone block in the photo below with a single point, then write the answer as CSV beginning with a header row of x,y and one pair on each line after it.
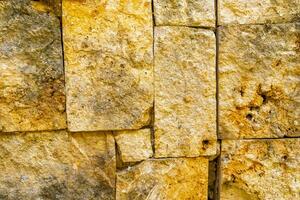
x,y
31,67
172,179
109,69
185,92
185,12
258,11
259,74
260,169
57,165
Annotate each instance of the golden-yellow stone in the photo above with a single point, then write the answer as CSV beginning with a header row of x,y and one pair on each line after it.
x,y
185,12
260,169
134,145
185,92
57,165
258,11
170,179
108,59
32,94
259,70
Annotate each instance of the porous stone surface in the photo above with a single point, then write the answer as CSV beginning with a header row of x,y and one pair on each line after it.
x,y
258,12
260,169
172,179
185,89
185,12
259,81
109,69
57,165
135,145
31,68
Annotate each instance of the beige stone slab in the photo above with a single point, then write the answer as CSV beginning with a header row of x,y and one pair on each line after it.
x,y
258,11
185,90
109,69
185,12
57,165
172,179
260,169
259,70
134,146
31,68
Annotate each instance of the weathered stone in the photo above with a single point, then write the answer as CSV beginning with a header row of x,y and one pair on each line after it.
x,y
260,169
31,68
259,81
258,11
57,165
109,71
172,179
134,145
48,6
185,12
185,87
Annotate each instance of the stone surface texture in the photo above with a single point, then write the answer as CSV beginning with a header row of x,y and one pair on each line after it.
x,y
134,146
258,12
185,89
109,64
162,179
260,169
259,70
57,165
185,12
31,68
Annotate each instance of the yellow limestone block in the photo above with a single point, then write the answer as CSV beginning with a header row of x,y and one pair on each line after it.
x,y
185,92
32,94
259,70
108,59
134,145
260,169
57,165
164,179
185,12
258,11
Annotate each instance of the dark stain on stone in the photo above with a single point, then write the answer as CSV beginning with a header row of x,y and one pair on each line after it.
x,y
55,191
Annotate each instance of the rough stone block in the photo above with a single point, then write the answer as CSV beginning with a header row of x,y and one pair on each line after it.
x,y
134,145
260,169
185,92
172,179
57,165
31,68
185,12
258,11
109,64
259,81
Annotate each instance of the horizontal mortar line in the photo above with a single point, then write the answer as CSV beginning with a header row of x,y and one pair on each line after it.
x,y
197,27
199,156
256,24
36,131
283,138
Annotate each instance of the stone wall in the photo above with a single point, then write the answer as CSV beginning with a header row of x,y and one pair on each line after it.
x,y
149,100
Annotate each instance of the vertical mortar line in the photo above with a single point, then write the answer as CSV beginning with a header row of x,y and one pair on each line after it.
x,y
218,176
218,167
217,69
116,170
63,57
153,79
